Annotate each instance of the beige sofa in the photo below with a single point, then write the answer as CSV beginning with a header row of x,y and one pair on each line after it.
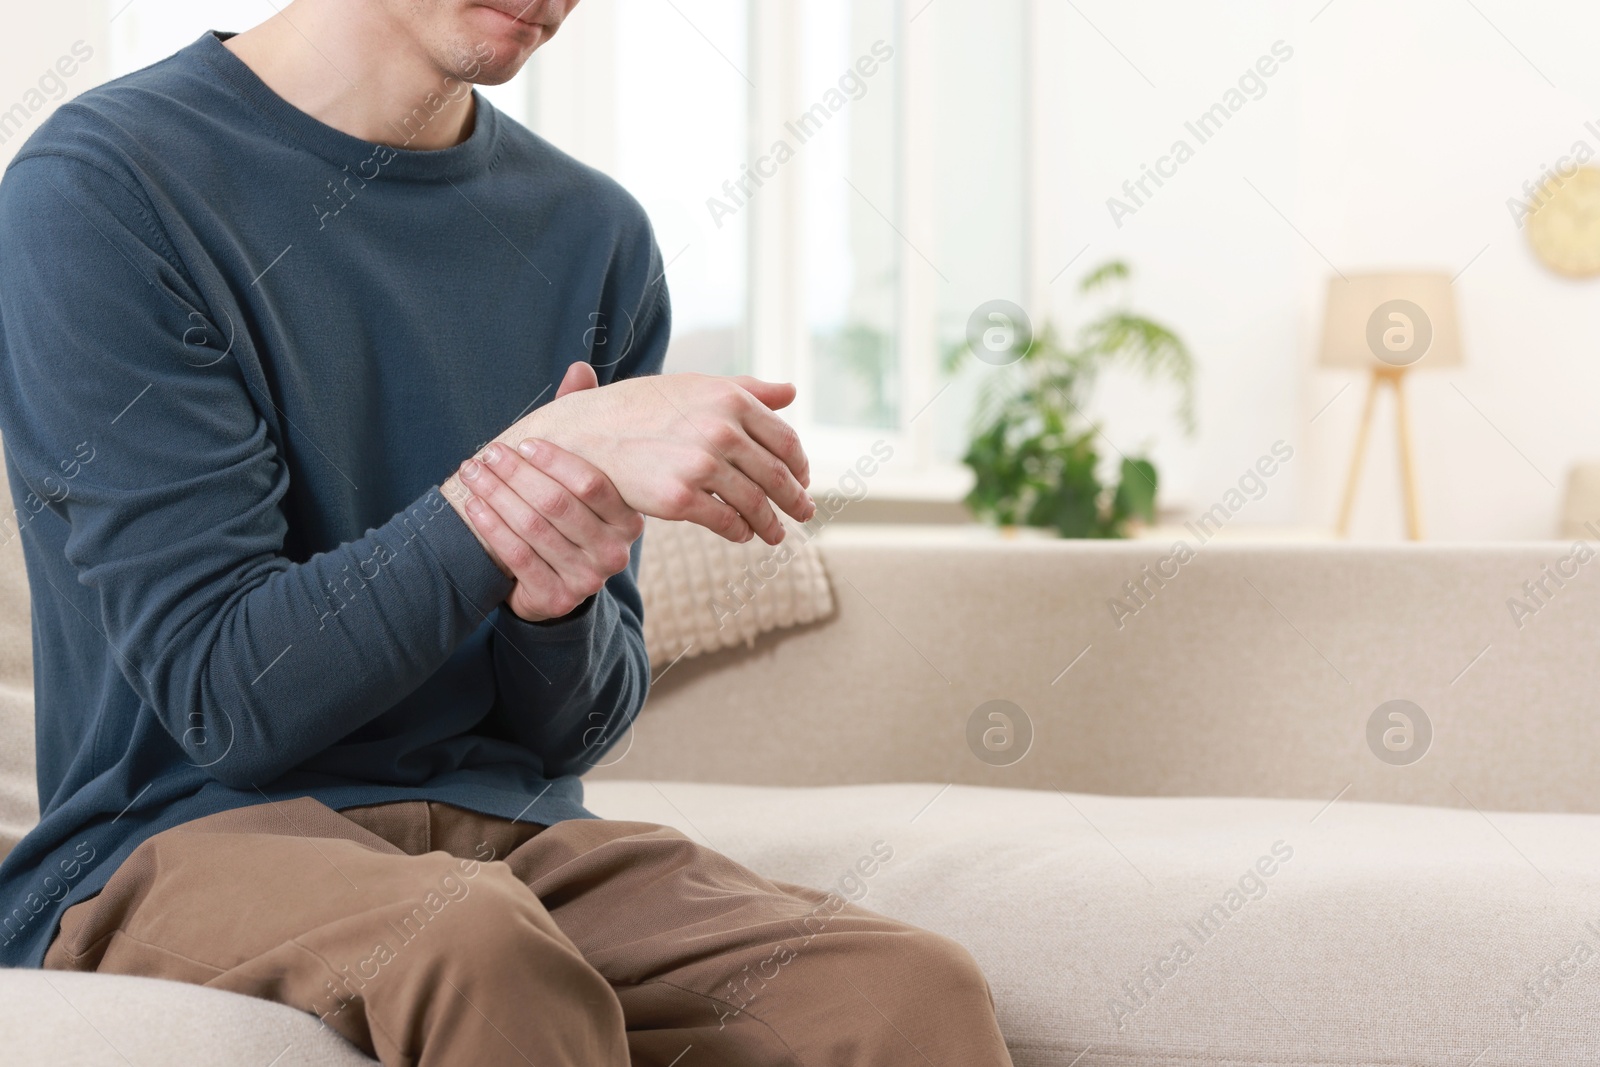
x,y
1200,858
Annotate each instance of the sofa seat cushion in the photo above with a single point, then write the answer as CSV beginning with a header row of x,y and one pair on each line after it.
x,y
1311,934
58,1018
1383,934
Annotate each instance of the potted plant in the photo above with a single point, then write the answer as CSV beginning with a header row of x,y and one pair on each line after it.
x,y
1033,449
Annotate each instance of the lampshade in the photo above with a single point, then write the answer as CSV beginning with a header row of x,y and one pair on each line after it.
x,y
1391,320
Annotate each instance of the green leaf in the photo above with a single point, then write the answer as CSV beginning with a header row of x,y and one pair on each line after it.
x,y
1070,500
1113,270
1150,348
1136,491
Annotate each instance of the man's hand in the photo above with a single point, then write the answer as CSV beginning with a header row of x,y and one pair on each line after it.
x,y
550,520
681,446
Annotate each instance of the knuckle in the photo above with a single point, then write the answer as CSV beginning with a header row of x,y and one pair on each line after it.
x,y
517,556
701,467
589,487
615,560
531,525
723,435
679,500
788,439
733,394
752,499
554,503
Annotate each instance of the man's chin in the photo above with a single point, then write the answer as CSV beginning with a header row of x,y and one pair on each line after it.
x,y
497,73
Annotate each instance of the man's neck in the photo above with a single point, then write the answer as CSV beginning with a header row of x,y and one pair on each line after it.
x,y
344,65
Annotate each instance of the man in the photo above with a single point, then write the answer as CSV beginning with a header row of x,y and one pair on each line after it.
x,y
310,723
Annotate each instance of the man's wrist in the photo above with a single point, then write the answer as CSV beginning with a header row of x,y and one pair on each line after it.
x,y
574,615
544,424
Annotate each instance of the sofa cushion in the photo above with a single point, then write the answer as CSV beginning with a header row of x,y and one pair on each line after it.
x,y
702,593
1382,934
51,1017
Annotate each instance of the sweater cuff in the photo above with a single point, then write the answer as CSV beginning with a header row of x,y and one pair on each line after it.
x,y
468,567
577,625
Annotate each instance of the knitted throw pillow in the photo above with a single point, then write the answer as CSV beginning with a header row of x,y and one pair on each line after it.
x,y
702,593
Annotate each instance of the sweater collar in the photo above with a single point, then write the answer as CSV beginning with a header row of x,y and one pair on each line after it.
x,y
472,156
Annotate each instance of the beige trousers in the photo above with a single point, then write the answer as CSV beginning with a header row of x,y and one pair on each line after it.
x,y
429,935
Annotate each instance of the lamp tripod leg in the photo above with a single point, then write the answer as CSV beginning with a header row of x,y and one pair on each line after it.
x,y
1408,469
1347,508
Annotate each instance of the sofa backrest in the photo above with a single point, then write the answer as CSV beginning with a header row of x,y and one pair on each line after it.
x,y
1247,670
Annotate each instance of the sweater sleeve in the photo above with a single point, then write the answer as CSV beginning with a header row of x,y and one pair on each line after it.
x,y
108,349
568,690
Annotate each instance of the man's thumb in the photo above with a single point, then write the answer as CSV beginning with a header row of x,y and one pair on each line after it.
x,y
579,376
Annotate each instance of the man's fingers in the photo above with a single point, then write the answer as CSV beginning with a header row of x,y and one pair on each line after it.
x,y
579,376
583,547
770,431
771,477
582,479
512,552
539,593
535,508
773,437
749,500
775,395
704,509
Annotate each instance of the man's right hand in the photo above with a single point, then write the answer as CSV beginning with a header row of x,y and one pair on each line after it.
x,y
552,522
696,447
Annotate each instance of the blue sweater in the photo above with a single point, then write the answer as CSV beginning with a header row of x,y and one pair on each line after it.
x,y
239,352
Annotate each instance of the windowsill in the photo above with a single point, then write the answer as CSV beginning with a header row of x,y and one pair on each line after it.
x,y
926,533
1239,532
878,493
840,532
945,483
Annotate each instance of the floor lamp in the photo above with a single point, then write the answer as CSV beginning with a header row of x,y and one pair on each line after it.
x,y
1387,324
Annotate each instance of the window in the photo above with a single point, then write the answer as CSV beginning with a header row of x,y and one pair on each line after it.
x,y
850,252
679,133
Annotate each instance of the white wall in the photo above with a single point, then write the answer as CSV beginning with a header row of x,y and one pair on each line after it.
x,y
37,36
1392,138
